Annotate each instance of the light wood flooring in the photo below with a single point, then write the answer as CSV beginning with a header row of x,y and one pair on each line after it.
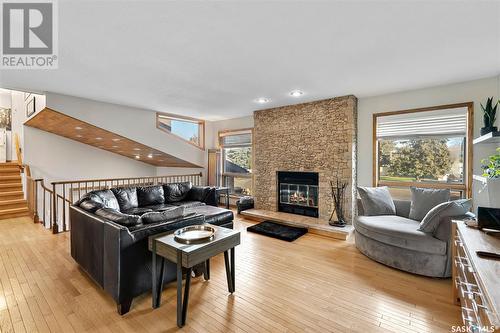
x,y
314,284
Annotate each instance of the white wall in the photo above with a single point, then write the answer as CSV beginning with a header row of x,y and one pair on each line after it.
x,y
133,123
53,158
472,91
6,103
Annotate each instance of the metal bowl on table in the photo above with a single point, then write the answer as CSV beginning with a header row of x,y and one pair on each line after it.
x,y
194,234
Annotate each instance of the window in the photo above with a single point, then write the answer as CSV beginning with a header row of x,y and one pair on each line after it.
x,y
189,129
236,147
428,147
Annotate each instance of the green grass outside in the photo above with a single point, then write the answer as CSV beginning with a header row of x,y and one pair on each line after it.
x,y
397,179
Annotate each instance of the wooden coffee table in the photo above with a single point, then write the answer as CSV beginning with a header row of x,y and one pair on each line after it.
x,y
187,256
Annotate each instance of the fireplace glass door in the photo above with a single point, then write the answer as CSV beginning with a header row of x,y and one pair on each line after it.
x,y
298,194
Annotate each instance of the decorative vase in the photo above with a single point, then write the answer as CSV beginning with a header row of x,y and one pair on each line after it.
x,y
489,129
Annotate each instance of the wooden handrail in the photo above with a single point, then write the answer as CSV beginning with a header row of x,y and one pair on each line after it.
x,y
122,179
56,199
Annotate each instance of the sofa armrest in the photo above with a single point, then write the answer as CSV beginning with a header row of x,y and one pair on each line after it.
x,y
443,231
205,194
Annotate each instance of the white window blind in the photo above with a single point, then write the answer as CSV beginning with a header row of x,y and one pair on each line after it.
x,y
236,138
429,123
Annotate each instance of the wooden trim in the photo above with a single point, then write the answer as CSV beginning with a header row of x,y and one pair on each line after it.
x,y
122,179
200,122
461,187
235,174
468,165
223,133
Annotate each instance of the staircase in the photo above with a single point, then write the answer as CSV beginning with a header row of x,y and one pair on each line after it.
x,y
12,202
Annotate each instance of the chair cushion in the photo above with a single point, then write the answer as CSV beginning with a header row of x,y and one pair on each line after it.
x,y
188,203
176,191
424,199
431,220
213,215
159,207
126,196
118,217
150,195
165,215
376,201
399,231
107,198
137,211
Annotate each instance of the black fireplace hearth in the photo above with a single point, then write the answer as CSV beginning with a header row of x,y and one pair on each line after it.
x,y
298,192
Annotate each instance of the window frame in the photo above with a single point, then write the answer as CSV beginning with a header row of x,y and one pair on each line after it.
x,y
199,122
223,174
466,187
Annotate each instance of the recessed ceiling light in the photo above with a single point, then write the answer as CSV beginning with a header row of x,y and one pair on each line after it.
x,y
98,138
79,136
78,128
160,160
150,156
116,139
137,149
137,157
120,151
296,93
114,146
262,100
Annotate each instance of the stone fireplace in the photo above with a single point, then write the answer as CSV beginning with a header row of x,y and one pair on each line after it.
x,y
310,138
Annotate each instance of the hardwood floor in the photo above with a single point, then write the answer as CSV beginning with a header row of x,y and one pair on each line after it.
x,y
313,284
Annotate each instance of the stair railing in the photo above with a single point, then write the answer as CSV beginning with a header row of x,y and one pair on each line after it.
x,y
55,210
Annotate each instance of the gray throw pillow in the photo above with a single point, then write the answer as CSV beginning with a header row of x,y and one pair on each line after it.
x,y
431,220
424,199
164,215
376,201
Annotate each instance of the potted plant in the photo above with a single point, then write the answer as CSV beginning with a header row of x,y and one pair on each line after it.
x,y
489,116
491,170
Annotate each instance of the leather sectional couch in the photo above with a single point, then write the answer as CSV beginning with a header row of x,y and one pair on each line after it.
x,y
110,230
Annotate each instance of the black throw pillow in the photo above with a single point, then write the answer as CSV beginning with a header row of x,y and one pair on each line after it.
x,y
108,198
166,215
127,197
150,195
91,205
118,217
177,191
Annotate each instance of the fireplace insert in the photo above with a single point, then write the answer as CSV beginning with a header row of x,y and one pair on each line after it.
x,y
298,192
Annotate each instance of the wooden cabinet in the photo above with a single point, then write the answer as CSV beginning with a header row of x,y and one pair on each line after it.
x,y
476,280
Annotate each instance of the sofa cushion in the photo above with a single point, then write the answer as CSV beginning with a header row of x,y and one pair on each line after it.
x,y
424,199
431,220
126,196
176,191
159,207
399,231
376,201
137,211
213,215
188,203
150,195
118,217
91,205
165,215
198,193
107,198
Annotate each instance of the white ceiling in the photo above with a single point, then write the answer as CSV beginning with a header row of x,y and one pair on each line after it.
x,y
212,59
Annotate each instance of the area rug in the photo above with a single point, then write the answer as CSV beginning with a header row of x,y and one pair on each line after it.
x,y
279,231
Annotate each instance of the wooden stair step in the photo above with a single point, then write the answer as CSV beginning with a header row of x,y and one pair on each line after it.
x,y
11,187
10,179
11,195
15,203
9,171
13,212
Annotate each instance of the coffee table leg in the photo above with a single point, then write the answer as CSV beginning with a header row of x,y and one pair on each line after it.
x,y
228,272
154,292
179,289
186,295
206,274
233,270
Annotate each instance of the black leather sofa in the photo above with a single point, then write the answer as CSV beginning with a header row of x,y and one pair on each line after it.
x,y
110,230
